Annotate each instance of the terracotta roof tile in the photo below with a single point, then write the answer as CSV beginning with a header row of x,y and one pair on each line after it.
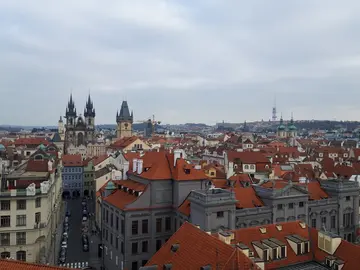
x,y
123,142
99,159
33,142
14,265
72,160
248,235
196,248
347,252
37,165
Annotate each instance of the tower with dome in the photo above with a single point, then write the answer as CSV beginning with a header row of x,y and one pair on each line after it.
x,y
287,131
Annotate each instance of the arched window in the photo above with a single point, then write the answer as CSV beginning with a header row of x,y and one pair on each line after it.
x,y
80,138
252,167
246,167
5,255
21,255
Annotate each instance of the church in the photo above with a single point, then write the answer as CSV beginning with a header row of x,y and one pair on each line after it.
x,y
79,130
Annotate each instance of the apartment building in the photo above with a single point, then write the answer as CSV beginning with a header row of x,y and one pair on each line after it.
x,y
162,191
73,175
30,204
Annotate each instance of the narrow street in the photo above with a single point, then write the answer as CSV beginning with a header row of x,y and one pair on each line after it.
x,y
75,253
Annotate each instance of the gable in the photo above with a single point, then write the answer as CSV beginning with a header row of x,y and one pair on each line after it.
x,y
291,190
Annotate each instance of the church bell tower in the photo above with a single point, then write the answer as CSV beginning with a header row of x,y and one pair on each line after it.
x,y
89,114
124,121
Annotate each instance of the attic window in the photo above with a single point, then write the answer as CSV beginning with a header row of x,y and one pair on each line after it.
x,y
175,247
187,171
146,169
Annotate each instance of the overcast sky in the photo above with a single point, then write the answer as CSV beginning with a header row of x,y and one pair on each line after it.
x,y
184,61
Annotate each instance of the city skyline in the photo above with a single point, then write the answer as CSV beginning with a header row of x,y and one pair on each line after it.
x,y
184,62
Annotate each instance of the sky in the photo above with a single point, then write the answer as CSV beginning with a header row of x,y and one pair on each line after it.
x,y
183,61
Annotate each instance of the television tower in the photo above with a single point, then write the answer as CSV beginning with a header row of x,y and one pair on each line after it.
x,y
274,113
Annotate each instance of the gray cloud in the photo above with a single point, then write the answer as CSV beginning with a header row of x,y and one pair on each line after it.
x,y
184,61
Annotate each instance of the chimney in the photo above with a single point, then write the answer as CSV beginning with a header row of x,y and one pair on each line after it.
x,y
226,237
135,164
177,154
140,166
230,170
125,170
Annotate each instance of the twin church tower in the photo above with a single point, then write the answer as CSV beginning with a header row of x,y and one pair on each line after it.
x,y
80,130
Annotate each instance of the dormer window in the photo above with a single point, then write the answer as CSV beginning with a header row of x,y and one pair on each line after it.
x,y
299,244
187,171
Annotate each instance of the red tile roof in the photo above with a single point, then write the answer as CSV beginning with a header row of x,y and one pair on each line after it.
x,y
19,265
72,160
196,248
160,166
248,235
34,142
247,157
123,142
347,252
37,165
99,159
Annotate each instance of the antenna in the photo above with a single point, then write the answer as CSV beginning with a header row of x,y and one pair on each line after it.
x,y
274,111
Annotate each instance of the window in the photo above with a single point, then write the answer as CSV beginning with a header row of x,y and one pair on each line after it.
x,y
291,205
37,217
5,239
252,167
313,223
301,204
111,219
5,221
283,251
21,204
117,243
144,225
279,207
111,238
106,235
21,238
145,246
134,266
348,198
307,247
21,220
21,255
158,244
107,216
117,223
134,248
220,214
5,255
168,223
158,225
38,202
134,227
122,227
347,220
5,205
323,221
122,247
246,167
333,222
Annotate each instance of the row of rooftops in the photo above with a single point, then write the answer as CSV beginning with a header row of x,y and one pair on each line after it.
x,y
292,245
